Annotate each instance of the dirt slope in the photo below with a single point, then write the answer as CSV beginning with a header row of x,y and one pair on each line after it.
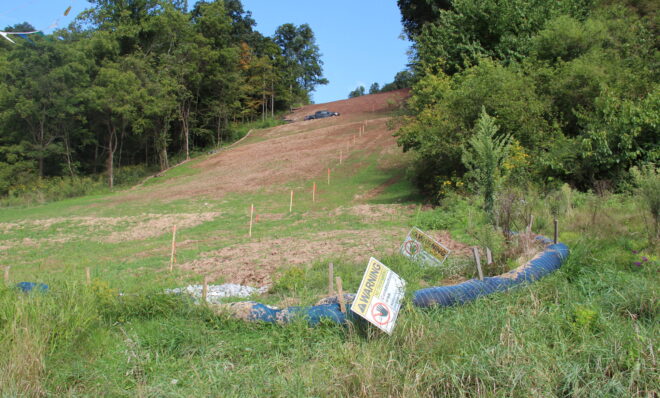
x,y
287,152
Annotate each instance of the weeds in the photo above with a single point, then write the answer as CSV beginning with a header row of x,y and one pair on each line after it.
x,y
589,329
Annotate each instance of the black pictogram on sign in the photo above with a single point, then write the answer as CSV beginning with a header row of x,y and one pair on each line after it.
x,y
381,313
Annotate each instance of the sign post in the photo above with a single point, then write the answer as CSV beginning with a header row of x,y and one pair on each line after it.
x,y
340,292
477,260
378,299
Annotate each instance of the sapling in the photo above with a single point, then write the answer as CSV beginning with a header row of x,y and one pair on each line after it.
x,y
484,157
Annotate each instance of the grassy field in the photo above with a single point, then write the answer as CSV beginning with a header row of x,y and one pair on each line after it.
x,y
589,330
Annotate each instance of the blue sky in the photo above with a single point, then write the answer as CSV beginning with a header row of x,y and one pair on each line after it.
x,y
359,39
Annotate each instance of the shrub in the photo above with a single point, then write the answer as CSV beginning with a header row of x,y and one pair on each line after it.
x,y
484,159
648,182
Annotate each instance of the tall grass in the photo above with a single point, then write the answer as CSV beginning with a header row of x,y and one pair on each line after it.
x,y
588,330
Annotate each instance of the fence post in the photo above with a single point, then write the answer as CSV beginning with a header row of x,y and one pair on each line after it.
x,y
173,253
477,259
251,215
331,274
340,291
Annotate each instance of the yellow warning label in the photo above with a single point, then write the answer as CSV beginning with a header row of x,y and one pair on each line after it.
x,y
371,286
429,245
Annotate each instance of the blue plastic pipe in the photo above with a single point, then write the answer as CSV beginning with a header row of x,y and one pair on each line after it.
x,y
543,264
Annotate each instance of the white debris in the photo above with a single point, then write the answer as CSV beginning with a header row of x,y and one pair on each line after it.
x,y
216,293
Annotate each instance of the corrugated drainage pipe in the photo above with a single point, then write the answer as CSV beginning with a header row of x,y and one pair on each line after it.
x,y
541,265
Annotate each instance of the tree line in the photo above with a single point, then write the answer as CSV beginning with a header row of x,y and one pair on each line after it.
x,y
403,79
573,85
135,81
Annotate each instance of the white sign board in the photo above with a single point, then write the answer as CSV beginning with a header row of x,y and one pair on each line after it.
x,y
378,299
421,247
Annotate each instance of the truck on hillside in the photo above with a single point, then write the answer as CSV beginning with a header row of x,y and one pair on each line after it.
x,y
321,115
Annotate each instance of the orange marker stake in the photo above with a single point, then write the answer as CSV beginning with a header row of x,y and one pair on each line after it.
x,y
328,176
314,193
340,156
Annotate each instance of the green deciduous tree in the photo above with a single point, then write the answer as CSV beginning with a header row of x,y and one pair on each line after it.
x,y
140,81
357,92
302,57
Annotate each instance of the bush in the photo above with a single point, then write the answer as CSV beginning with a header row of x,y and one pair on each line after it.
x,y
484,159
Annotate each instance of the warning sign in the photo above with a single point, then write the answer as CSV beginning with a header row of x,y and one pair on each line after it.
x,y
423,248
379,298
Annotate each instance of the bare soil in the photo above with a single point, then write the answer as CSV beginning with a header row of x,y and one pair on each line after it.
x,y
104,229
288,152
254,263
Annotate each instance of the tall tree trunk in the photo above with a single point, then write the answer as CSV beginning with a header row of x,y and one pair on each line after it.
x,y
121,145
161,147
272,99
217,131
41,144
162,158
264,102
96,156
67,153
112,147
184,112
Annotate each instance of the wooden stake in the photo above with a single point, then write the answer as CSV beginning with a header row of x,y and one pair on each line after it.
x,y
340,292
7,268
205,289
328,176
340,156
251,214
88,275
173,254
489,256
314,193
477,259
291,202
331,277
556,231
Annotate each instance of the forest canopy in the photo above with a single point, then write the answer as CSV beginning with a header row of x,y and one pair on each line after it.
x,y
132,82
574,83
